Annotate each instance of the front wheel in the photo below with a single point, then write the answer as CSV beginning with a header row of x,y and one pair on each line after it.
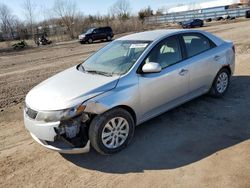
x,y
109,38
112,131
90,40
221,83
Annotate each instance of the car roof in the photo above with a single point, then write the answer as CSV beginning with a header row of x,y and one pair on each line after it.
x,y
107,27
151,35
156,35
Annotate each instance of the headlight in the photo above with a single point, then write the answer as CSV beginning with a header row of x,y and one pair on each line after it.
x,y
81,36
52,116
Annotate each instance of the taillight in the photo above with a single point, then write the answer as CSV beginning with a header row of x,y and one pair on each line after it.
x,y
233,47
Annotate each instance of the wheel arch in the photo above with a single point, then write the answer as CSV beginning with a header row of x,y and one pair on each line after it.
x,y
226,67
128,109
96,108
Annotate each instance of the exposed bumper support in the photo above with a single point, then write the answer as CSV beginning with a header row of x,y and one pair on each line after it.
x,y
85,149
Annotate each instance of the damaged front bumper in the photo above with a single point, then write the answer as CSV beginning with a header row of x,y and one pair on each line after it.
x,y
48,135
66,149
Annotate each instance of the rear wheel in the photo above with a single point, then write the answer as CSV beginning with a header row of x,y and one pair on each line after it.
x,y
221,83
112,131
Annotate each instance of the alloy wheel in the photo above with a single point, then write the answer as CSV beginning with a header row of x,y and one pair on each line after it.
x,y
115,132
222,82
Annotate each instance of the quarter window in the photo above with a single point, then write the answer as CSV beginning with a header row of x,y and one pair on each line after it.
x,y
196,44
166,53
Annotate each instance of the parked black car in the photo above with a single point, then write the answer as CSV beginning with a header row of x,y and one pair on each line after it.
x,y
100,33
192,23
248,14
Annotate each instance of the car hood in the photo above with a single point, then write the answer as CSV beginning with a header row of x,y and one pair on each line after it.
x,y
67,89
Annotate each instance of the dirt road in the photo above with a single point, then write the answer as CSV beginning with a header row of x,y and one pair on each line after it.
x,y
204,143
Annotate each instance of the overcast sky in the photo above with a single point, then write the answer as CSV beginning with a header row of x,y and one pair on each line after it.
x,y
91,6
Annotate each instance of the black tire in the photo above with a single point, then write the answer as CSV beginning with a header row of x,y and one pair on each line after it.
x,y
90,40
214,91
97,125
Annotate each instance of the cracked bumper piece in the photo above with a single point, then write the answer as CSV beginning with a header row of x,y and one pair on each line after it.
x,y
60,148
45,134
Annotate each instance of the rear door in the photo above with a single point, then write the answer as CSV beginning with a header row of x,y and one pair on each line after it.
x,y
164,90
201,58
102,34
197,22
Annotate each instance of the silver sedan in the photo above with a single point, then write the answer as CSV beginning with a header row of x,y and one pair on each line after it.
x,y
127,82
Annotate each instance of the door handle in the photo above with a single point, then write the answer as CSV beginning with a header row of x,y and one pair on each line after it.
x,y
183,72
217,57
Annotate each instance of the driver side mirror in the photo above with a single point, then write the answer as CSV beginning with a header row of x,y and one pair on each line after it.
x,y
151,67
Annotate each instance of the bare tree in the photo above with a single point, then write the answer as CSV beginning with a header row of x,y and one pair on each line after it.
x,y
66,10
121,9
160,11
8,22
4,16
29,9
142,14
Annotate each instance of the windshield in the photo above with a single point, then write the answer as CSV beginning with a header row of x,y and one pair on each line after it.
x,y
89,31
115,58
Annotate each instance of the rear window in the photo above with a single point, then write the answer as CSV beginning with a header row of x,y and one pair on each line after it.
x,y
196,44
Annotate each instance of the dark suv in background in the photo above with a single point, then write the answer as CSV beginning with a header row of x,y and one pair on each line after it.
x,y
192,23
100,33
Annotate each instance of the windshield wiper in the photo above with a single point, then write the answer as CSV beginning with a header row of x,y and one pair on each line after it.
x,y
99,72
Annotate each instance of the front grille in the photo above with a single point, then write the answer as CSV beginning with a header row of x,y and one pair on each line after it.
x,y
31,113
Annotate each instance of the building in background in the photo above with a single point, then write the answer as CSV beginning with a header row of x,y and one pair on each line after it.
x,y
211,10
210,6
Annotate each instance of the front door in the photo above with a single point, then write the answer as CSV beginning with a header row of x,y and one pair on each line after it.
x,y
162,91
96,34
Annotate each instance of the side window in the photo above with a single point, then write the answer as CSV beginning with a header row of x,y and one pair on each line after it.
x,y
166,53
96,31
196,44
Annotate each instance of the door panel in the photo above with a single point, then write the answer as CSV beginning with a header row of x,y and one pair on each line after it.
x,y
200,73
103,34
201,58
161,91
96,34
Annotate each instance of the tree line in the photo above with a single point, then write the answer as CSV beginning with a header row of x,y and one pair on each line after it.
x,y
64,20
